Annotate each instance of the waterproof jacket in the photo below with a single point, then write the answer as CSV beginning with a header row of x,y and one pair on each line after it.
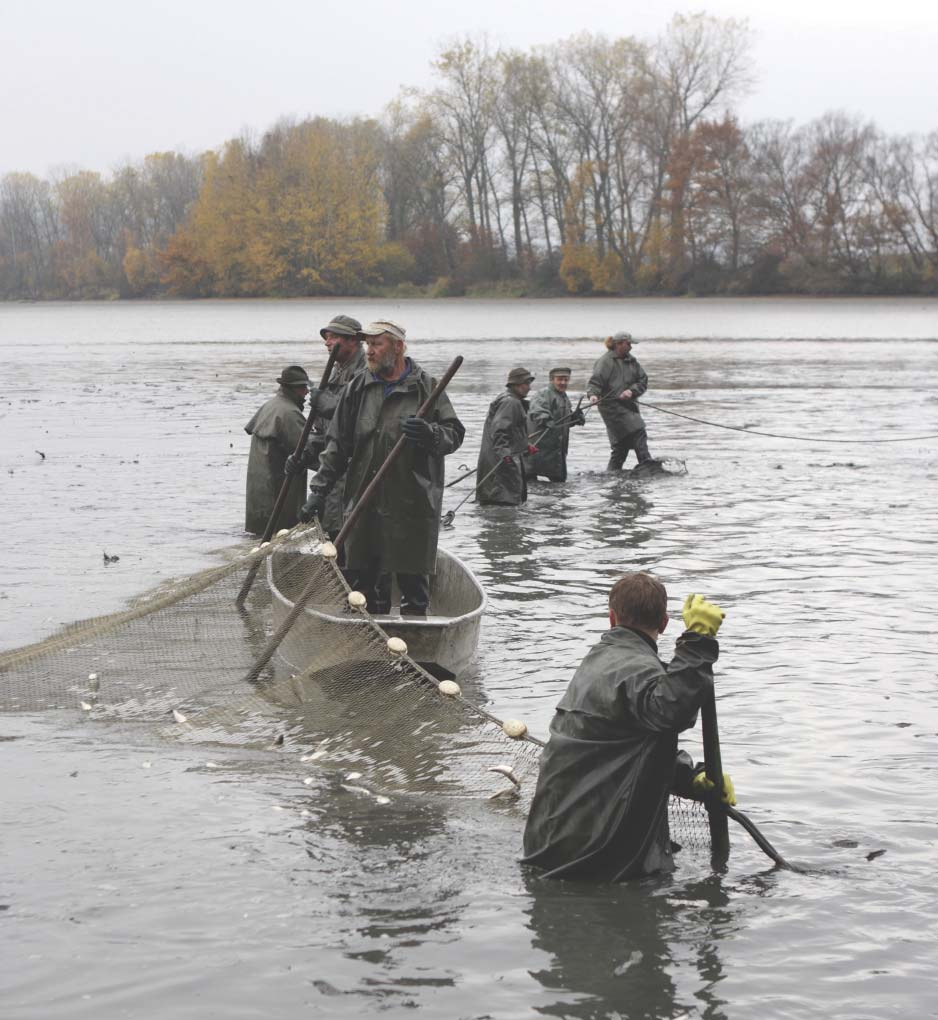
x,y
326,403
548,407
600,810
612,375
400,529
274,430
505,433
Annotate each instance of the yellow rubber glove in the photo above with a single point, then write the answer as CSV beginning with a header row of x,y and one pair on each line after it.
x,y
702,786
701,616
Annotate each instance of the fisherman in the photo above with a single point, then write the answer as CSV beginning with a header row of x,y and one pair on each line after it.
x,y
504,443
398,532
600,810
549,422
344,334
275,430
618,380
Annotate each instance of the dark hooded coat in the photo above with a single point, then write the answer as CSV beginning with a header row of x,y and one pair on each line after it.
x,y
401,527
275,430
504,433
326,402
600,810
548,407
612,375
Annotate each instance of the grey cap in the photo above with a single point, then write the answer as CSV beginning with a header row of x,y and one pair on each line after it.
x,y
519,375
558,371
622,335
385,326
344,325
293,375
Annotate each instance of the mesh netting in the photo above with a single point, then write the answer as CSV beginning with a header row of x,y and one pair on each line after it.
x,y
178,664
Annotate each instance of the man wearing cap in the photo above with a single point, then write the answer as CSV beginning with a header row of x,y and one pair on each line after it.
x,y
500,470
398,533
275,430
618,380
344,334
549,422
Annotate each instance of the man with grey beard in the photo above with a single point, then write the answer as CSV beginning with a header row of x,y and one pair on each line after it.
x,y
398,532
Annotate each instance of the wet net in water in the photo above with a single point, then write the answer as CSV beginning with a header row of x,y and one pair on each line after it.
x,y
177,665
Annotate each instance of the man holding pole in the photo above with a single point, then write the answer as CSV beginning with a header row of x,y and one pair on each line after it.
x,y
397,534
600,810
549,422
343,335
618,380
275,430
504,444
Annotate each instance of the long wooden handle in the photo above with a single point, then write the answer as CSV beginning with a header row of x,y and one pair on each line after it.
x,y
719,830
287,481
307,593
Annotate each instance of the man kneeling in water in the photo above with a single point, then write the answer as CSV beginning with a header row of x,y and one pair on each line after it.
x,y
600,810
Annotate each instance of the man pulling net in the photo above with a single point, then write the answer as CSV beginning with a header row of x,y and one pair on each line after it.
x,y
600,810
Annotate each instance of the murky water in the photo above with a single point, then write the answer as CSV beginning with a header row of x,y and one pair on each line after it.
x,y
179,890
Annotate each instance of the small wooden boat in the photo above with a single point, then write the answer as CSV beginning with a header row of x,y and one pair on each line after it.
x,y
443,642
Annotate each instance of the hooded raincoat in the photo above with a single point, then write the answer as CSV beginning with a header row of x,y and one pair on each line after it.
x,y
401,527
504,433
548,407
600,810
275,430
326,402
612,375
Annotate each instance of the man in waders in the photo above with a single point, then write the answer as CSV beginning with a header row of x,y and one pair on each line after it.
x,y
600,810
275,430
618,380
500,470
549,422
344,334
398,532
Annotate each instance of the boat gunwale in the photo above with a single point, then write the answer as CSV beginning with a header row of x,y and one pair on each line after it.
x,y
420,622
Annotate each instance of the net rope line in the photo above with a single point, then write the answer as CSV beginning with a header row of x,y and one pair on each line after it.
x,y
172,665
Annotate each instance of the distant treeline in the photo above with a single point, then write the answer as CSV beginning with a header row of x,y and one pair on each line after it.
x,y
591,166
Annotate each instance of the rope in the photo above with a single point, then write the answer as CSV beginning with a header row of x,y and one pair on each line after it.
x,y
778,435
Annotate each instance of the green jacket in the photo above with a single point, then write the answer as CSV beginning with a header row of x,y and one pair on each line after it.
x,y
600,810
401,527
505,433
612,375
547,408
275,430
326,403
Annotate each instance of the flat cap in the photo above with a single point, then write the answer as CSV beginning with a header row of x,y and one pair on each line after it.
x,y
622,335
344,325
558,371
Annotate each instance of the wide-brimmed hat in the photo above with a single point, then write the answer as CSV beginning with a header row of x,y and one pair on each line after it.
x,y
519,375
380,326
344,325
293,375
558,371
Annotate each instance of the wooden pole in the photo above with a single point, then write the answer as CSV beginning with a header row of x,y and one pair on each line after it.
x,y
719,829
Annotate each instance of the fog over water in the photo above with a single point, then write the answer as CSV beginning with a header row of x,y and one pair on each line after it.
x,y
176,890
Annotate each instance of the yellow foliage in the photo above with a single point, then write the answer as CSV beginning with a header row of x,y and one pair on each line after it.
x,y
578,268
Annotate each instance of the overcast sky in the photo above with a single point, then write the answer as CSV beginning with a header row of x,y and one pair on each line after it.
x,y
93,83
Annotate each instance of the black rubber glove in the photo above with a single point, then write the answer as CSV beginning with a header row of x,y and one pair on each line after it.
x,y
293,465
577,418
417,430
313,507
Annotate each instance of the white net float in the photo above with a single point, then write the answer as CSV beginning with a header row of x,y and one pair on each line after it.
x,y
450,688
514,728
283,532
356,600
328,551
397,646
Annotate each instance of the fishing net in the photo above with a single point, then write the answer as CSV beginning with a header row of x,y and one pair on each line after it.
x,y
178,665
